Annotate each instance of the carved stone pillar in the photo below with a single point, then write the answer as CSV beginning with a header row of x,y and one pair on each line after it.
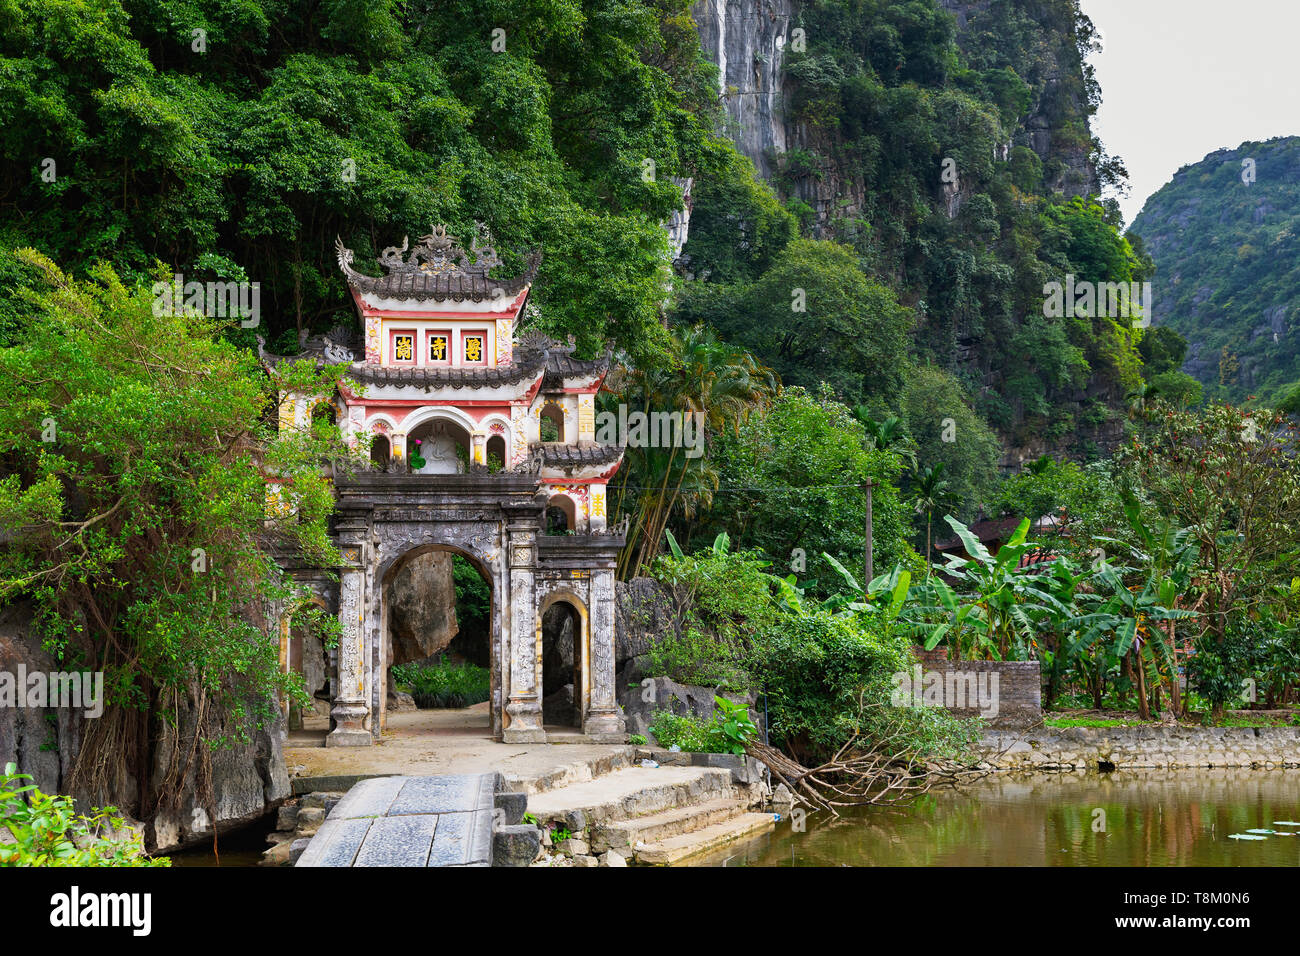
x,y
524,703
351,706
603,718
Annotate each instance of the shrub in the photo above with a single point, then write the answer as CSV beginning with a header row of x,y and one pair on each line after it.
x,y
724,733
828,675
46,830
444,684
723,599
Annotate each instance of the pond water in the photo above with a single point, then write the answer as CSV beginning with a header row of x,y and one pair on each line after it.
x,y
1150,818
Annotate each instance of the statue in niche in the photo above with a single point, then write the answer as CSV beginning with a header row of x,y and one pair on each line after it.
x,y
439,451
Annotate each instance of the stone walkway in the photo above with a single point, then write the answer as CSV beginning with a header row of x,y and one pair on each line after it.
x,y
409,821
429,742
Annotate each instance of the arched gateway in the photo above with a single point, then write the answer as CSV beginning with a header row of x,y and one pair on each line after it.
x,y
445,384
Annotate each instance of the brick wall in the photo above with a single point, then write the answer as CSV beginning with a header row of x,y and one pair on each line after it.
x,y
1018,689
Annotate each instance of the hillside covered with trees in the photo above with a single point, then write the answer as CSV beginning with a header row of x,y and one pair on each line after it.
x,y
1223,235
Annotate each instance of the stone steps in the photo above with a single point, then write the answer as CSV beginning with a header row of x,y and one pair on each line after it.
x,y
582,771
625,835
677,848
628,793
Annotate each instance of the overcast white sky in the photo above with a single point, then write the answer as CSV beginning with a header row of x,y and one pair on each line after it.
x,y
1182,78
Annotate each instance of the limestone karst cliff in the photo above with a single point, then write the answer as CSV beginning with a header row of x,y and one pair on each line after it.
x,y
750,41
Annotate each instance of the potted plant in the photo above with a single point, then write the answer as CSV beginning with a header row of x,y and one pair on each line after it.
x,y
416,459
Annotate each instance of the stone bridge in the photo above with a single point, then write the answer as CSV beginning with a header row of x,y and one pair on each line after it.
x,y
422,821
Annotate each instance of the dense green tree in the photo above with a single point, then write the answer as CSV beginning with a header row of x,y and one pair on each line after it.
x,y
280,125
947,431
815,317
791,478
135,452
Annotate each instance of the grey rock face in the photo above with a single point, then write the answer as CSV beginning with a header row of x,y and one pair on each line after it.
x,y
642,702
747,40
422,619
643,612
249,780
512,807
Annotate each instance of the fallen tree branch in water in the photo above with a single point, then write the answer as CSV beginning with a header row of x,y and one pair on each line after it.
x,y
880,767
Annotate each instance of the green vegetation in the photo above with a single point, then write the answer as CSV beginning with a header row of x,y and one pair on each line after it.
x,y
724,733
45,830
443,683
1226,254
825,668
133,497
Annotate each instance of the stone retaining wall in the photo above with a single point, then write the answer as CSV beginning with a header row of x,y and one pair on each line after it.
x,y
1174,748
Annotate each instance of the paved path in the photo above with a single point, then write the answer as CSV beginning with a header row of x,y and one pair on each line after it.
x,y
409,821
431,742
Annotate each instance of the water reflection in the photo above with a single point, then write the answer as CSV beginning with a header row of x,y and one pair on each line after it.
x,y
1150,818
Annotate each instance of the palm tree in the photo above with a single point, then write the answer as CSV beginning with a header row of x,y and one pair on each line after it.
x,y
886,435
725,384
931,493
1140,398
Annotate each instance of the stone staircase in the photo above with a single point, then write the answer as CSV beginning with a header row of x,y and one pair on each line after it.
x,y
652,815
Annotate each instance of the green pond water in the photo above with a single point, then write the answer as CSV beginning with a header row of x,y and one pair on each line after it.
x,y
1151,818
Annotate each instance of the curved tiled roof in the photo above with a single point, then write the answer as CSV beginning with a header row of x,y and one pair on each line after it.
x,y
526,366
560,364
430,285
437,268
581,453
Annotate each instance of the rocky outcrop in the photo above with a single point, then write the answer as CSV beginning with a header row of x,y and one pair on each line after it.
x,y
248,777
644,611
747,40
248,780
41,741
422,619
641,701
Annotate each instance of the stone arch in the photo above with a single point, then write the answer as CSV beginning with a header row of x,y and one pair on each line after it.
x,y
581,664
331,409
435,412
381,451
553,412
476,546
498,448
302,653
432,433
561,506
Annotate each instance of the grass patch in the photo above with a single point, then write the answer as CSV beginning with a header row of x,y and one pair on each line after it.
x,y
1094,722
443,684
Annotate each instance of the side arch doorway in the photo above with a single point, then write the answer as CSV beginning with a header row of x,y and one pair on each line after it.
x,y
564,637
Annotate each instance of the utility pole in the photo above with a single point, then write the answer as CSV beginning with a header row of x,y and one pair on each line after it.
x,y
868,563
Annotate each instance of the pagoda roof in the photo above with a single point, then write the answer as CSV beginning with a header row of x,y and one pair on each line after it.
x,y
527,365
438,268
561,365
579,453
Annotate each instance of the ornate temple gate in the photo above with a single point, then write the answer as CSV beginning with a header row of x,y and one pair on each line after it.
x,y
496,522
455,402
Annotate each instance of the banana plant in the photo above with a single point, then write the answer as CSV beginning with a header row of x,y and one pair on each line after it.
x,y
1128,619
1011,599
